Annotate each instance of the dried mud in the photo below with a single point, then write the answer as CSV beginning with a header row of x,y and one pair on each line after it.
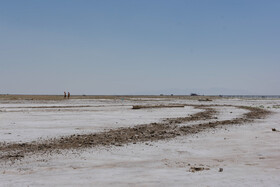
x,y
156,106
166,129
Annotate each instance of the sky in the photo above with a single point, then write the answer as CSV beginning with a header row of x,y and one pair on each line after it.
x,y
123,47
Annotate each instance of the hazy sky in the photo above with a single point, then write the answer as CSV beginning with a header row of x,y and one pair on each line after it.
x,y
140,46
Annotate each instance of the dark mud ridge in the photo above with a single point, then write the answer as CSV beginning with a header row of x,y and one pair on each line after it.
x,y
166,129
157,106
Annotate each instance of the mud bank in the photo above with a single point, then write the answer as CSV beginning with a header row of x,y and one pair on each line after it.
x,y
141,133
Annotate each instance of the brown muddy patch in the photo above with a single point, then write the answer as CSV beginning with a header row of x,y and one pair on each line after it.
x,y
156,106
196,169
166,129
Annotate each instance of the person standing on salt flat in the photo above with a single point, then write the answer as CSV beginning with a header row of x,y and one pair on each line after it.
x,y
68,95
64,94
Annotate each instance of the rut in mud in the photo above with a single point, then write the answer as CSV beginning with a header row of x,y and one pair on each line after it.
x,y
167,129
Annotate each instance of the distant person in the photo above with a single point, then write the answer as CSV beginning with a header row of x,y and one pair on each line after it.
x,y
64,94
68,95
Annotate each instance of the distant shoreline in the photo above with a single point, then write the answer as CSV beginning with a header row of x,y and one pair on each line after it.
x,y
188,97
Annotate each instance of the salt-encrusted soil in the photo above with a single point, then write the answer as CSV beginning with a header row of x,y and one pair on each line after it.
x,y
106,142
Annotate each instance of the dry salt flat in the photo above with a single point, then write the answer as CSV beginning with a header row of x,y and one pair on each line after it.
x,y
237,155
